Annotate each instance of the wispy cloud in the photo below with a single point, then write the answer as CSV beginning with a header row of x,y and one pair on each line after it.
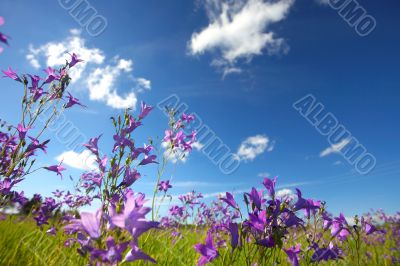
x,y
335,148
239,30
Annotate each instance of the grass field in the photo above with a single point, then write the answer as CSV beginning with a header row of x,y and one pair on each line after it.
x,y
22,243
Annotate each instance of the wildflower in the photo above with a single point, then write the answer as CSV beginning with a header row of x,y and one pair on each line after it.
x,y
270,186
187,118
51,75
207,251
130,176
145,110
58,193
22,131
92,145
148,160
72,101
164,186
132,218
136,254
292,254
89,223
234,232
113,253
11,74
3,38
230,200
74,60
256,198
56,168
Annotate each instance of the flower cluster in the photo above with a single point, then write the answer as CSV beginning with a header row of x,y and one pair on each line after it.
x,y
19,145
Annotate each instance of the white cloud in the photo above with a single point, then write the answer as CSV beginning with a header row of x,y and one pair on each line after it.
x,y
239,30
285,193
254,146
335,148
264,174
82,161
197,145
99,78
101,83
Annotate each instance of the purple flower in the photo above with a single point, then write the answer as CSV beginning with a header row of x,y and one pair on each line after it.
x,y
133,124
58,193
292,254
164,186
307,204
92,145
148,160
113,253
270,186
130,176
168,135
51,75
136,254
208,251
56,168
256,198
267,242
22,131
330,253
230,200
72,101
234,232
132,218
74,60
187,118
11,74
145,110
89,223
3,38
121,141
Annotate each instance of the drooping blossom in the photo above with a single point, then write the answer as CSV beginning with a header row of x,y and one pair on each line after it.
x,y
11,74
148,159
74,60
72,101
56,168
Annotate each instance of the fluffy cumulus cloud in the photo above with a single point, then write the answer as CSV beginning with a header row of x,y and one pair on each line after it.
x,y
253,146
82,161
335,148
239,30
285,193
98,76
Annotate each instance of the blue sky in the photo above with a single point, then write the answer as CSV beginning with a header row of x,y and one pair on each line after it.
x,y
242,82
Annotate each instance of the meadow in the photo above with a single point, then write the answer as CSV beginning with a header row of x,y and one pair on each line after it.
x,y
23,244
259,227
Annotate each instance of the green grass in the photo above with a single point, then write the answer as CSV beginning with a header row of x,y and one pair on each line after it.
x,y
22,243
